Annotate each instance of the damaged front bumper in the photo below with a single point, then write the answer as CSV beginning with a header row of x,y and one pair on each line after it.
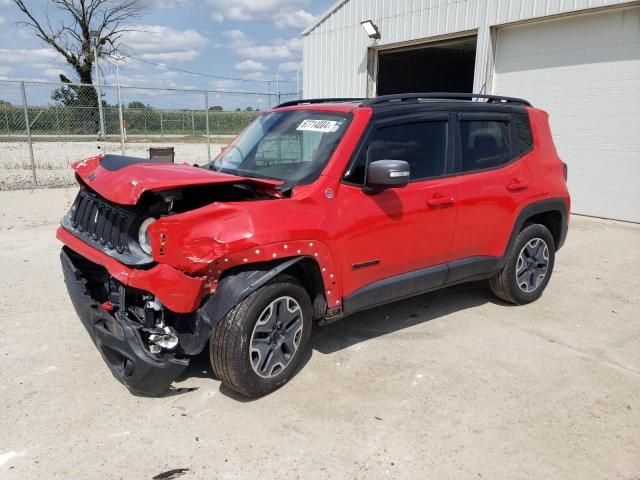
x,y
119,339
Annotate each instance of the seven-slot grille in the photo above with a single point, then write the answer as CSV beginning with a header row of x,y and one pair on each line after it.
x,y
101,222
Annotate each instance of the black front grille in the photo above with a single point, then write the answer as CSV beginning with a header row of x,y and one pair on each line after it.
x,y
101,222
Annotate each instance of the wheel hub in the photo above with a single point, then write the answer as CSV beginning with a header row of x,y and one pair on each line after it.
x,y
532,265
276,337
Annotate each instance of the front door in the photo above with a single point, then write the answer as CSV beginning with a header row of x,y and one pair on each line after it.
x,y
393,232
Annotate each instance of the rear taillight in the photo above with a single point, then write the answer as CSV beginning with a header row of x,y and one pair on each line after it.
x,y
565,171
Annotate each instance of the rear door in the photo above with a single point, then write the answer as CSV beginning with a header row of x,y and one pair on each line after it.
x,y
399,230
493,181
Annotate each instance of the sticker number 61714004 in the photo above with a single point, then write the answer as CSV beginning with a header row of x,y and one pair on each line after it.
x,y
325,126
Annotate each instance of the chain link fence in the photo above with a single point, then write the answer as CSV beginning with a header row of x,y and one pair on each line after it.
x,y
44,127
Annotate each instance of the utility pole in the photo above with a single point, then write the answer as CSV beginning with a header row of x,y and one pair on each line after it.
x,y
95,37
206,116
27,123
122,130
269,93
277,88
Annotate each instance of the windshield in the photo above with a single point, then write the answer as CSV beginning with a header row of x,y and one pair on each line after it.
x,y
292,146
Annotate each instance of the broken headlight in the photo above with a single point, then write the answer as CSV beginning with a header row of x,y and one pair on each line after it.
x,y
143,235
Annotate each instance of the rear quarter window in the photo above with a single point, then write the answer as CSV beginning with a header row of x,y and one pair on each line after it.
x,y
524,138
484,144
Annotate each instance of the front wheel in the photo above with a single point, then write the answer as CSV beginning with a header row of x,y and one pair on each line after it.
x,y
259,345
529,266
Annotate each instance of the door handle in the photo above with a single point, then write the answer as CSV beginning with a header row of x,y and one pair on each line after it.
x,y
517,185
438,201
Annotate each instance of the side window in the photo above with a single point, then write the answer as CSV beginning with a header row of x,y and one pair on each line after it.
x,y
423,145
524,138
484,144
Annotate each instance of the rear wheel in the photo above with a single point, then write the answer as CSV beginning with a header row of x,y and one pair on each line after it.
x,y
258,346
529,266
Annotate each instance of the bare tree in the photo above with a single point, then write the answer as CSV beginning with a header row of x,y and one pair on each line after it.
x,y
71,34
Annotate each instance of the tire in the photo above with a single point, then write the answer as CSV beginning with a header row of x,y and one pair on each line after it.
x,y
528,269
248,352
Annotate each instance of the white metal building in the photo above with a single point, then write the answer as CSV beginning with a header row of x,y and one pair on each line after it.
x,y
577,59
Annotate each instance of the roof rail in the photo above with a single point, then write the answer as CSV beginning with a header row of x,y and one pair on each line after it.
x,y
310,101
401,97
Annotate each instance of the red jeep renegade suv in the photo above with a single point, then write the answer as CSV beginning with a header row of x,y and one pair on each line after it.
x,y
319,209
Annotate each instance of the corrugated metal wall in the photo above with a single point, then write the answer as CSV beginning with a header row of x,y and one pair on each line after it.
x,y
335,51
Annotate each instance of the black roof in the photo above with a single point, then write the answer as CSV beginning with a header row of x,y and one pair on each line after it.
x,y
414,98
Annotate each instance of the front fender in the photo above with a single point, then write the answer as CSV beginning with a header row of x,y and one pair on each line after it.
x,y
234,277
233,288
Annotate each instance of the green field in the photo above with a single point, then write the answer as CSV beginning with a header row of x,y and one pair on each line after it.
x,y
82,121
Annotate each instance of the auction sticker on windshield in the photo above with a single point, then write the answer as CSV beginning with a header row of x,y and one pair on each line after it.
x,y
324,126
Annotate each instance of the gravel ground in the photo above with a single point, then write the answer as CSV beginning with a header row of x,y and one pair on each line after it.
x,y
452,384
53,159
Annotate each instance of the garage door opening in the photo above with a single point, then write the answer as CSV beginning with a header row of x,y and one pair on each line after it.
x,y
436,67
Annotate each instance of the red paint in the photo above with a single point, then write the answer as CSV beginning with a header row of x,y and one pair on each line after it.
x,y
177,291
423,224
107,306
488,204
125,186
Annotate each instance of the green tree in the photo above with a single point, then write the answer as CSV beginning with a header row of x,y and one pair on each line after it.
x,y
139,105
216,108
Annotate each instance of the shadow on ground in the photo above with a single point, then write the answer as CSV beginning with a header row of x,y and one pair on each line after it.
x,y
369,324
393,317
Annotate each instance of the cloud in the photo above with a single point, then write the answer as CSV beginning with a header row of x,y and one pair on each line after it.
x,y
168,4
224,85
184,56
282,13
275,50
298,20
159,79
290,66
53,72
250,66
159,42
29,56
2,20
256,76
36,59
238,38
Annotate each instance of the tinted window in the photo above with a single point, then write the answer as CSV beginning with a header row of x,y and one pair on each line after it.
x,y
485,144
524,139
422,145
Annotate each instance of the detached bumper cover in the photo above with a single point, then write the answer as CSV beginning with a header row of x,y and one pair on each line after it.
x,y
119,342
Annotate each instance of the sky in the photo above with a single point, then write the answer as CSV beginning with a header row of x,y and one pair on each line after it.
x,y
249,41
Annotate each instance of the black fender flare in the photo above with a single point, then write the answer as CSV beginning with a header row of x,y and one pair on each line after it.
x,y
543,206
233,288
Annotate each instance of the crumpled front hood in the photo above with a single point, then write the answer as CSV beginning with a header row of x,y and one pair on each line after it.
x,y
123,180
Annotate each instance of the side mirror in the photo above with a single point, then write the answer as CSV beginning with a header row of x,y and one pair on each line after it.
x,y
383,174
